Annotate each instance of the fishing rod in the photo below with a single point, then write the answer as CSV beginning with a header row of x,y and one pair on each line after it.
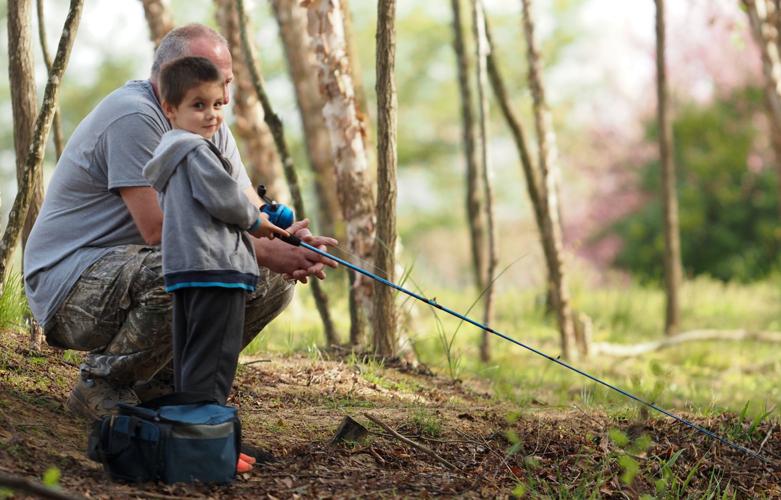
x,y
293,240
280,215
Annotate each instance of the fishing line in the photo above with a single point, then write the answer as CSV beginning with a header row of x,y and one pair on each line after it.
x,y
292,240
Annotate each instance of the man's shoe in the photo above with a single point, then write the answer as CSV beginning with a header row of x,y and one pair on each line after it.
x,y
146,391
92,399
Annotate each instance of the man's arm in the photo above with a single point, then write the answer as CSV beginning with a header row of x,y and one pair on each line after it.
x,y
142,204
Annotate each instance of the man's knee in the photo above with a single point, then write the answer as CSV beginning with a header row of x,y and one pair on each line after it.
x,y
272,297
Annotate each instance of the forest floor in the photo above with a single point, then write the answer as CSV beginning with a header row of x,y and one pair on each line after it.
x,y
292,405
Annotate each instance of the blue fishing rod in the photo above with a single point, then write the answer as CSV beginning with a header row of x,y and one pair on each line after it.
x,y
282,216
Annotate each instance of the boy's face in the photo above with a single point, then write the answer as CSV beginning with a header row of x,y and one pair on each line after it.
x,y
200,112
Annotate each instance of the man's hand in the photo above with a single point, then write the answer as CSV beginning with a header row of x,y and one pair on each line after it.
x,y
295,262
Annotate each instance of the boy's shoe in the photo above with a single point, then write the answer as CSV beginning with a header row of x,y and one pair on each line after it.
x,y
92,399
242,466
246,458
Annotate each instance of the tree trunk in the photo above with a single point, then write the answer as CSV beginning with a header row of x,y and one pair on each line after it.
x,y
57,124
672,242
765,31
277,131
551,227
34,156
474,202
481,52
361,101
159,19
22,81
326,31
257,144
291,18
385,314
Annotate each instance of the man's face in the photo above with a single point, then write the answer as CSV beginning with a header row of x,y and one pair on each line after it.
x,y
200,112
220,56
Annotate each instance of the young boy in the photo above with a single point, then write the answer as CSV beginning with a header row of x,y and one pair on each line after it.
x,y
208,261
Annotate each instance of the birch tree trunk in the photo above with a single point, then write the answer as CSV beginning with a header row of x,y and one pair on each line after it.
x,y
257,144
292,21
57,124
764,28
474,202
548,166
22,82
277,131
159,19
385,314
326,31
481,51
672,239
34,155
361,101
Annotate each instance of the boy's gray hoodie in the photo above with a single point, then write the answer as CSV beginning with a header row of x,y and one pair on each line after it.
x,y
205,215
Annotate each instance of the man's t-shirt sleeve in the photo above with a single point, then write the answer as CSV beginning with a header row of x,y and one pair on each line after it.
x,y
227,144
128,144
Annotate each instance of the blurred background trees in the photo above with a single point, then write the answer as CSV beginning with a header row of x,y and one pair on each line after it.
x,y
597,63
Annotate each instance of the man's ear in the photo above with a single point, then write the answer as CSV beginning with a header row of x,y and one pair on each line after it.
x,y
168,110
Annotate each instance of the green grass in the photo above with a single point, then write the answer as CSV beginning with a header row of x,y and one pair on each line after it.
x,y
13,304
703,378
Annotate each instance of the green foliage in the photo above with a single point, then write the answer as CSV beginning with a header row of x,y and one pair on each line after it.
x,y
427,423
52,477
728,212
13,304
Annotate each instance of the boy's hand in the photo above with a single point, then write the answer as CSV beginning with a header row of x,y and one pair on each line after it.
x,y
267,230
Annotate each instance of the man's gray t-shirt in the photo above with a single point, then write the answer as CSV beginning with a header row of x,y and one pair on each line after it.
x,y
83,215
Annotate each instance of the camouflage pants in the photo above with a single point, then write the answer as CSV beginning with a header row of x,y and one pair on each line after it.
x,y
119,311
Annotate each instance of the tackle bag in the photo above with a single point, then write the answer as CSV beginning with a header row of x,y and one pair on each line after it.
x,y
180,437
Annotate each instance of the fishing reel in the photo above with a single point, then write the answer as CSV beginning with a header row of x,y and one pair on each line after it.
x,y
279,214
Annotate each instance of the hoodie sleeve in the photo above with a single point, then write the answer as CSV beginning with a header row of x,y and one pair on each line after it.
x,y
217,191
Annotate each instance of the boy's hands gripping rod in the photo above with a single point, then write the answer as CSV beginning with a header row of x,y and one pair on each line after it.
x,y
292,240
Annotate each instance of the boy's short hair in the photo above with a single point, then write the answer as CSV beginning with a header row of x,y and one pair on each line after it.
x,y
180,75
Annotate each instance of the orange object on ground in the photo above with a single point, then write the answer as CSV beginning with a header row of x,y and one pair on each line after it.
x,y
250,460
242,466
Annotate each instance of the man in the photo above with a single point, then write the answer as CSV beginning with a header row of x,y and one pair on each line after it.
x,y
93,272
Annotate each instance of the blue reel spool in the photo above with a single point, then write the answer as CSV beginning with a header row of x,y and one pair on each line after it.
x,y
278,214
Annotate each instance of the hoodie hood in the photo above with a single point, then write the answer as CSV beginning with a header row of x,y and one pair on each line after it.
x,y
173,147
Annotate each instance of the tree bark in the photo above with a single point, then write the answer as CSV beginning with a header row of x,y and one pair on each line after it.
x,y
21,74
474,202
276,127
34,156
764,28
326,31
385,314
361,101
291,18
481,52
159,19
257,143
552,237
672,241
57,124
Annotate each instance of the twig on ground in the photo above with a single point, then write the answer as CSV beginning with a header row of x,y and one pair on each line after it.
x,y
764,441
256,361
21,484
411,443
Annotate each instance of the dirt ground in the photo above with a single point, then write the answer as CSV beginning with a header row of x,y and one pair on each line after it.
x,y
293,405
